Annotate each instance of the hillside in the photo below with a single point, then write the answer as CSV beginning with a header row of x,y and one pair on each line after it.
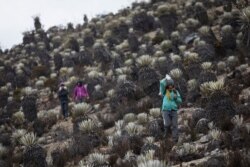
x,y
202,44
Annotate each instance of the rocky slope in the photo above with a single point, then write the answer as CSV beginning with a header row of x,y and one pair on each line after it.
x,y
203,45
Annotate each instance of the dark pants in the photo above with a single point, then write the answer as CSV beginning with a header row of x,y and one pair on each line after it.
x,y
64,106
81,99
170,118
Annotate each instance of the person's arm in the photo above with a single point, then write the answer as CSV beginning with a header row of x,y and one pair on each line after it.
x,y
178,99
86,91
59,94
75,93
162,87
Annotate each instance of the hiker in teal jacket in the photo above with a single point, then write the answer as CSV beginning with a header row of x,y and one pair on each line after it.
x,y
170,103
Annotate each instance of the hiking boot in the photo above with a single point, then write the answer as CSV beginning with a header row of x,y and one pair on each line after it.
x,y
165,133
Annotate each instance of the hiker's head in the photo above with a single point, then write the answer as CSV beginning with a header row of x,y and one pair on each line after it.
x,y
62,84
79,83
170,84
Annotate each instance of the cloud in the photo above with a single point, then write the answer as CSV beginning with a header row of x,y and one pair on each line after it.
x,y
16,15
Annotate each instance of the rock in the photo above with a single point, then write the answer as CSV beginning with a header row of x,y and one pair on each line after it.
x,y
204,139
214,145
197,114
198,162
202,126
206,52
190,38
216,161
182,128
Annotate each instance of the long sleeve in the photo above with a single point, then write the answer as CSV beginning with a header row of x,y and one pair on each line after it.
x,y
75,92
162,86
178,99
85,91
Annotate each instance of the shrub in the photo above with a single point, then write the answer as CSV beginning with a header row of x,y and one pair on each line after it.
x,y
125,89
175,37
208,88
215,134
221,66
143,22
133,42
166,9
152,163
34,156
17,134
155,112
192,24
192,85
232,62
52,83
228,39
237,121
49,117
58,61
84,143
3,98
73,44
185,152
29,107
18,118
205,51
96,159
148,79
176,73
38,71
88,126
220,108
101,53
37,23
206,66
166,45
201,13
80,110
119,125
60,157
245,17
142,118
149,146
39,127
28,140
134,129
168,17
130,117
39,84
175,58
144,60
3,150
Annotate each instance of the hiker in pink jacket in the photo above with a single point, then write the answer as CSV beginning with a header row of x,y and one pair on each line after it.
x,y
80,92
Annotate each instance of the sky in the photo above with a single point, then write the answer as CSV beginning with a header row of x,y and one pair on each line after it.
x,y
16,16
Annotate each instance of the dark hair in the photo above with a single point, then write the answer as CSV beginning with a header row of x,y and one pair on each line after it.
x,y
80,83
167,87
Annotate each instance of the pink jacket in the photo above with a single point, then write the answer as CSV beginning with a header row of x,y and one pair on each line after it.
x,y
80,92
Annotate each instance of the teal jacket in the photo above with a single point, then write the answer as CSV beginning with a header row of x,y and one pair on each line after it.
x,y
172,103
